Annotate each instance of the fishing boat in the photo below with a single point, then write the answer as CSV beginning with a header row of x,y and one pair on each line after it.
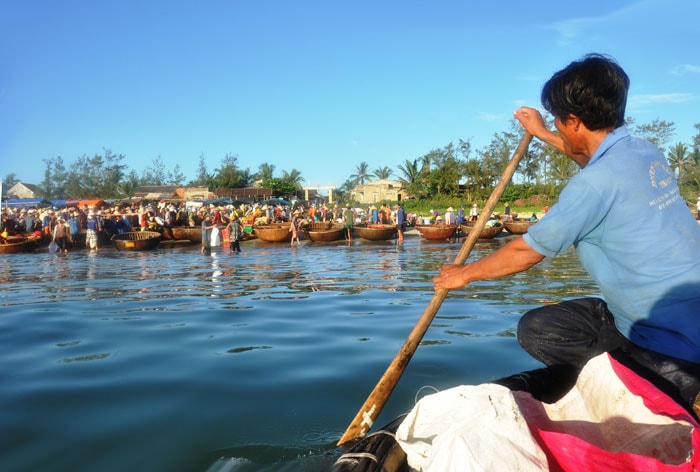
x,y
182,233
489,232
380,452
137,240
437,232
324,231
273,233
375,232
518,226
17,244
561,426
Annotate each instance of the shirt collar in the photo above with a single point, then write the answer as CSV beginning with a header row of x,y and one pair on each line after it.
x,y
609,141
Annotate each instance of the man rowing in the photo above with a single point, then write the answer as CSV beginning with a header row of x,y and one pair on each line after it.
x,y
632,231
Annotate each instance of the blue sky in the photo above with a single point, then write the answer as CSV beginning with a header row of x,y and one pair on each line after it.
x,y
317,86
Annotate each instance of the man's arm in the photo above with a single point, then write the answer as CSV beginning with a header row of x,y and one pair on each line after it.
x,y
516,256
533,123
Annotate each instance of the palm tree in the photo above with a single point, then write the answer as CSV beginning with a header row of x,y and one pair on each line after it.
x,y
293,177
361,174
679,159
265,172
382,173
410,172
10,180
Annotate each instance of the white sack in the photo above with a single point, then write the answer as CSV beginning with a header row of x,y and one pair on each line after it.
x,y
469,428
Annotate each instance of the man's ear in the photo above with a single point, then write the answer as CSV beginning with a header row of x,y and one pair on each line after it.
x,y
574,122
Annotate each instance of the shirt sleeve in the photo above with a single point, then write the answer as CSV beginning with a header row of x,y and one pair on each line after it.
x,y
580,209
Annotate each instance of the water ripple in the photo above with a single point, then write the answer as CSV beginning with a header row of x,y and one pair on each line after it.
x,y
171,360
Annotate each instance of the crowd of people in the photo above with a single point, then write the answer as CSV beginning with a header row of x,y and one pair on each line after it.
x,y
64,225
68,226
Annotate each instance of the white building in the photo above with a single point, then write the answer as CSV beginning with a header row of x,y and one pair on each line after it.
x,y
378,190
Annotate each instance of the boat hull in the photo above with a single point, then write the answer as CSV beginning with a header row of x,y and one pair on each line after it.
x,y
182,233
274,233
19,244
436,232
518,226
324,231
376,232
137,241
486,233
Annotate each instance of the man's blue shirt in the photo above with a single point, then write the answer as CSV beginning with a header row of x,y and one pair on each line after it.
x,y
634,234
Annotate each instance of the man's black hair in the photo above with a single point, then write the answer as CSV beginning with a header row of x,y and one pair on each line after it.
x,y
594,89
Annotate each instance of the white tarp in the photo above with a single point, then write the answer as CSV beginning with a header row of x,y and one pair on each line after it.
x,y
215,237
476,428
485,427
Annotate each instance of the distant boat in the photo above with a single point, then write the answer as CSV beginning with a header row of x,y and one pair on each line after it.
x,y
182,233
488,232
273,233
519,226
17,244
324,231
137,240
437,232
375,232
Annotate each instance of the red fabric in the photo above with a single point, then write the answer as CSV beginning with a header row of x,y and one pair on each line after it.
x,y
225,239
567,452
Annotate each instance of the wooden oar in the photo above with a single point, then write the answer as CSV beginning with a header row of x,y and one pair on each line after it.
x,y
364,419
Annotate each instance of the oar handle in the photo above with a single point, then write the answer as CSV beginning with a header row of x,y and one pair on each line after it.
x,y
369,411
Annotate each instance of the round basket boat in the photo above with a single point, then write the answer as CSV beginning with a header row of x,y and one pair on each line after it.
x,y
274,233
375,232
439,232
17,244
324,231
137,241
181,233
518,226
486,233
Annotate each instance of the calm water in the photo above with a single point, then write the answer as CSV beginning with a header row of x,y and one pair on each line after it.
x,y
175,361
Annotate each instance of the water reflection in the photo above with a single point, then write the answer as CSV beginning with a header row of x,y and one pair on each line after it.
x,y
257,356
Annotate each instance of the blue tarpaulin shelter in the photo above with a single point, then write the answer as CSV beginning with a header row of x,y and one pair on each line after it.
x,y
275,201
26,203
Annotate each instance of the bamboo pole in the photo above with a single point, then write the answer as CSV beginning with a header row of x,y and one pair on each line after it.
x,y
369,411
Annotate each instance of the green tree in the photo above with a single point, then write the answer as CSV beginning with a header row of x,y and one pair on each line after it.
x,y
445,171
343,192
658,131
471,170
155,174
176,177
293,178
561,168
411,178
494,158
680,160
85,177
60,179
410,171
9,181
279,186
265,172
129,184
47,186
228,175
383,173
114,171
203,177
73,182
361,174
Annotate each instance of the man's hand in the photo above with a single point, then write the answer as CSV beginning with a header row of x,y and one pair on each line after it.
x,y
531,119
450,277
